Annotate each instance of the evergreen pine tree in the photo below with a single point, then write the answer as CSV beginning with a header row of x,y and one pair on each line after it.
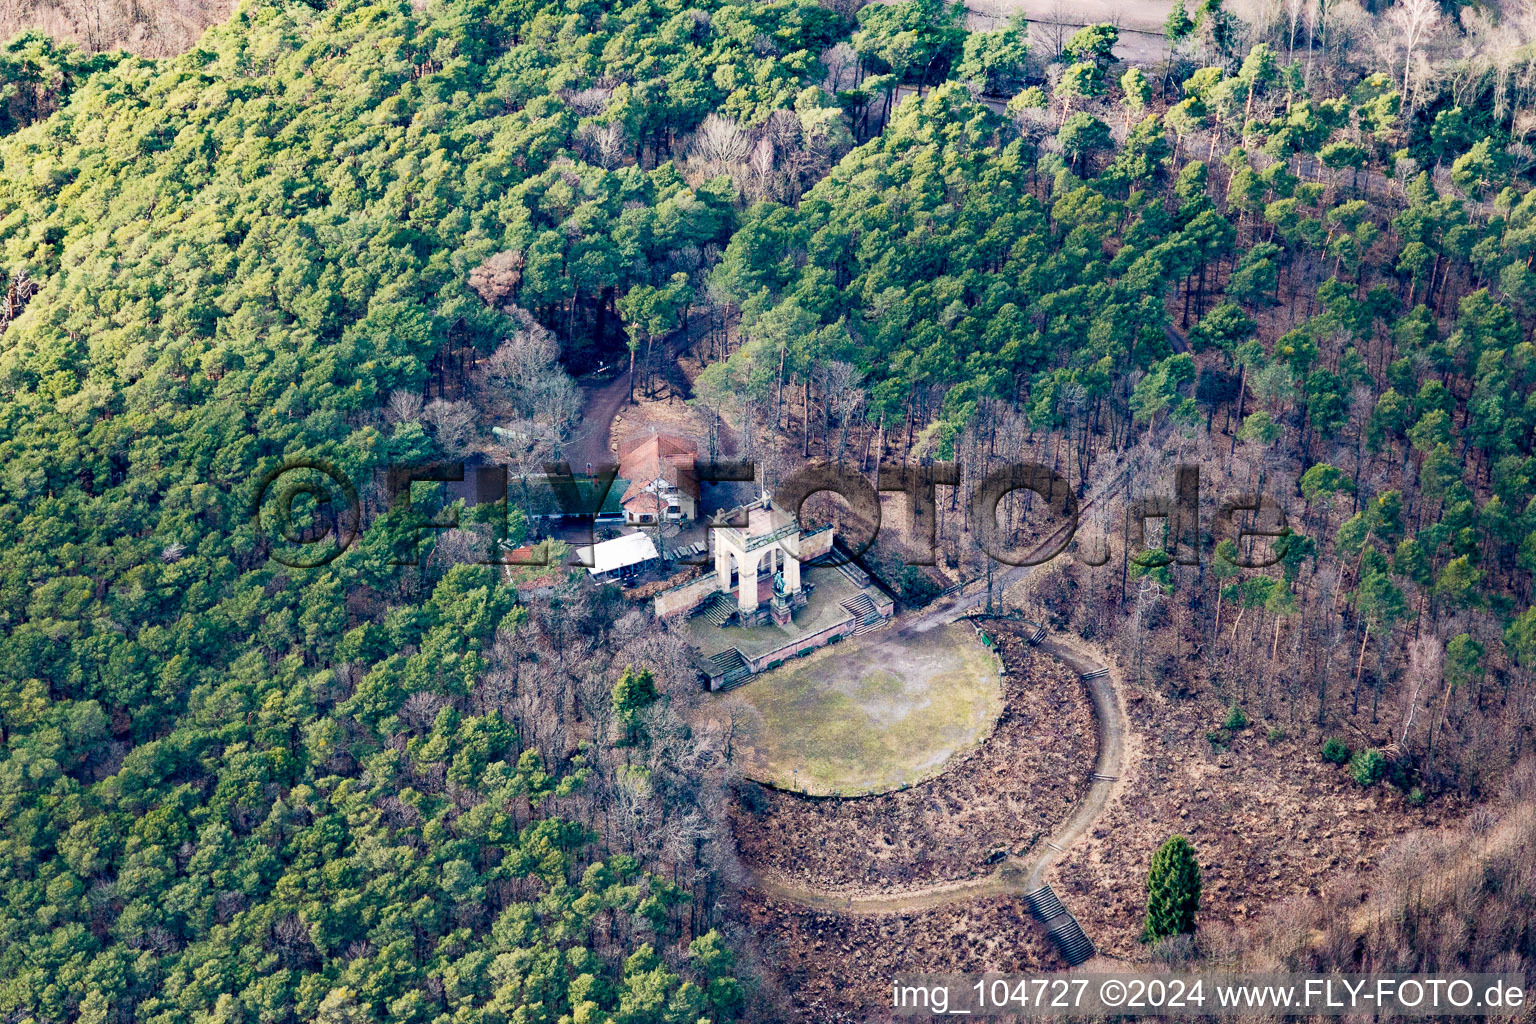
x,y
1179,23
1173,891
632,694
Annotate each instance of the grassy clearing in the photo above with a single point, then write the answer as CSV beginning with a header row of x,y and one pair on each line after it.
x,y
867,717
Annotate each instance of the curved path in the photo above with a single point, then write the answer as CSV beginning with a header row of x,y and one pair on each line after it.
x,y
1015,876
603,400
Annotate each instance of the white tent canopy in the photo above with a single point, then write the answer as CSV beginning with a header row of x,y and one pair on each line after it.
x,y
619,553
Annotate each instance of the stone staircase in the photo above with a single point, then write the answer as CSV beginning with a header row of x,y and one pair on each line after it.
x,y
858,577
1047,908
718,608
731,667
866,616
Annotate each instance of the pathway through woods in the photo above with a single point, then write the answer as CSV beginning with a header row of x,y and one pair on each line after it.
x,y
1140,22
1015,875
602,400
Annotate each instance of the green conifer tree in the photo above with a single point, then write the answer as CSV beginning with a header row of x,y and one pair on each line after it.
x,y
1173,891
632,694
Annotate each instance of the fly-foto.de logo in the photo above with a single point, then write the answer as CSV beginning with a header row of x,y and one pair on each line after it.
x,y
306,511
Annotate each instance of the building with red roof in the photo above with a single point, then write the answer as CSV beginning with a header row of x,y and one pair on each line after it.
x,y
662,484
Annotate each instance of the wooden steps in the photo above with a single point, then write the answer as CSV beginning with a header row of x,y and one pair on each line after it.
x,y
1044,904
1071,941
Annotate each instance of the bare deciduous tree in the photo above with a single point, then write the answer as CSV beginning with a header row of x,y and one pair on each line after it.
x,y
1049,34
841,393
403,407
721,142
522,361
524,373
1425,656
1295,17
762,165
452,424
588,102
603,144
842,65
1409,25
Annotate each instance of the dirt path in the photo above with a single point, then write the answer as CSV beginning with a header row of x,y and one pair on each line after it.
x,y
603,400
1140,22
1015,876
1109,715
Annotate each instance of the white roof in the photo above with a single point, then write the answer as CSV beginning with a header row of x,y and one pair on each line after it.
x,y
630,549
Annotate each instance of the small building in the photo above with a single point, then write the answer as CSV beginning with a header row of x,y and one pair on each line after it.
x,y
772,596
661,483
619,558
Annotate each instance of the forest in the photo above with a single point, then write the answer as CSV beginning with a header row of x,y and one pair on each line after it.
x,y
234,791
408,785
1289,313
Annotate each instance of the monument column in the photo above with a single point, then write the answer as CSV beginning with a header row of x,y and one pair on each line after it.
x,y
746,574
722,565
791,574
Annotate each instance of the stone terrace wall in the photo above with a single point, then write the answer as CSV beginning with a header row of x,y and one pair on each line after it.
x,y
804,643
677,579
682,600
814,545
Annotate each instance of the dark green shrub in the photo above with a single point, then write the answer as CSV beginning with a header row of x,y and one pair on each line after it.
x,y
917,587
1367,767
1335,750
